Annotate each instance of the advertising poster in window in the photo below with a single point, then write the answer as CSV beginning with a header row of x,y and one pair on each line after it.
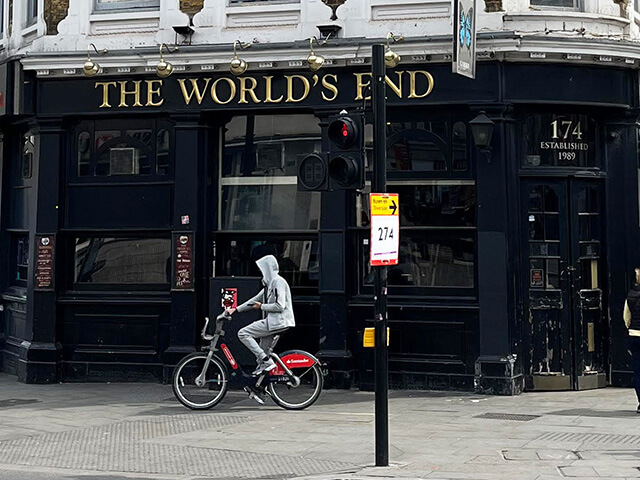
x,y
44,262
183,261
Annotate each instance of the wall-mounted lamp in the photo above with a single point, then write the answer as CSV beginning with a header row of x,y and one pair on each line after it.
x,y
91,68
482,130
164,69
314,61
391,58
238,66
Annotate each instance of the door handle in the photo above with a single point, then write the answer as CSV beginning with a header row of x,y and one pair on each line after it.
x,y
564,268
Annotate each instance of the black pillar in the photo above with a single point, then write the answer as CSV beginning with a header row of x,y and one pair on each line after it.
x,y
4,250
497,369
39,353
623,235
188,201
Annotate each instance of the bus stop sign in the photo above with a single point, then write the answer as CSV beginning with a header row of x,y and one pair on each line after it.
x,y
385,229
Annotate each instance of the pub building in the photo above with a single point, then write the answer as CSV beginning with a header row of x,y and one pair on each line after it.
x,y
130,202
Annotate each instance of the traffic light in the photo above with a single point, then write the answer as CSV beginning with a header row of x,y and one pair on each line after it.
x,y
345,159
312,173
342,166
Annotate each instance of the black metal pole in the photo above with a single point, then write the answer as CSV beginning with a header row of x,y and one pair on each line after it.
x,y
379,185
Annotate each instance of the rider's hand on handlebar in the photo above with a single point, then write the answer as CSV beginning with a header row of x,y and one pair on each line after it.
x,y
231,311
256,305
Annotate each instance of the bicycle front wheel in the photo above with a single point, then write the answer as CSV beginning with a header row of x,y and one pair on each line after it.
x,y
300,392
196,388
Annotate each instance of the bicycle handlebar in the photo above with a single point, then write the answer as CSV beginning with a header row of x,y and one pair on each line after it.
x,y
219,320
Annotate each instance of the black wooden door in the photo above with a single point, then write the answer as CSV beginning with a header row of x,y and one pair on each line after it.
x,y
565,331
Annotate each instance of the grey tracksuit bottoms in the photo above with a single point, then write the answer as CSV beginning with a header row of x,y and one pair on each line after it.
x,y
258,329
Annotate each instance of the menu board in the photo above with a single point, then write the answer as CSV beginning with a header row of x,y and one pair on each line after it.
x,y
44,262
183,261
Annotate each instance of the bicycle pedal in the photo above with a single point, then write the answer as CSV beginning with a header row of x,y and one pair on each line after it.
x,y
254,396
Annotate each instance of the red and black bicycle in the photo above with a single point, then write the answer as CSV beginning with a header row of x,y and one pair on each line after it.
x,y
201,379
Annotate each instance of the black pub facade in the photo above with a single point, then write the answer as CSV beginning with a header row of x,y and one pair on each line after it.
x,y
127,201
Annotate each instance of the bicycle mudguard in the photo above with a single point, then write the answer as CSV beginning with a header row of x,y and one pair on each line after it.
x,y
295,359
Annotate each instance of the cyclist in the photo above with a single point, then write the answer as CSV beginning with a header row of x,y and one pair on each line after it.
x,y
275,301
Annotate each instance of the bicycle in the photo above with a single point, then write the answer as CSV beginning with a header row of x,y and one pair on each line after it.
x,y
201,379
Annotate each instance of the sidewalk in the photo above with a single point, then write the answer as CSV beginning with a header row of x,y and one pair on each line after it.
x,y
111,431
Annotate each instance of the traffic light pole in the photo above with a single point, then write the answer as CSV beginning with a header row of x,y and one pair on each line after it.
x,y
379,185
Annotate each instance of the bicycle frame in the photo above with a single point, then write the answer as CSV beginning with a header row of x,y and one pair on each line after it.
x,y
248,380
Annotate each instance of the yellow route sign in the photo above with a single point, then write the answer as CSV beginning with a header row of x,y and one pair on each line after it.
x,y
385,226
384,204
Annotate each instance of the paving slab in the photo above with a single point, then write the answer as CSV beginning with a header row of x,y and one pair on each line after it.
x,y
111,431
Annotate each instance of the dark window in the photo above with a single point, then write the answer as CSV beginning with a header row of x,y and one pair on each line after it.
x,y
437,235
436,149
429,165
28,148
122,260
416,150
20,255
110,5
32,12
544,238
1,17
460,147
554,3
259,194
119,152
297,259
431,259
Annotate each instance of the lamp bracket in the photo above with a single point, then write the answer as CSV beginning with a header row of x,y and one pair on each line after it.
x,y
327,31
185,31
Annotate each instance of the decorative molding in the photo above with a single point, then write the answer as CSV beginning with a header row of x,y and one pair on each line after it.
x,y
117,27
389,10
245,17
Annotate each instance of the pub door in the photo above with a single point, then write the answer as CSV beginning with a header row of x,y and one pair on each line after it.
x,y
565,329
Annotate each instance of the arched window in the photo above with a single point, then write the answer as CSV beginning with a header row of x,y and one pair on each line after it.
x,y
416,150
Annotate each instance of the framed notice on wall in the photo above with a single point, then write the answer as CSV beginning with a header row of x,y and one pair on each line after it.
x,y
182,262
45,257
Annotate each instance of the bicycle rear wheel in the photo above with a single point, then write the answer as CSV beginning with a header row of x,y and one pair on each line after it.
x,y
284,390
208,394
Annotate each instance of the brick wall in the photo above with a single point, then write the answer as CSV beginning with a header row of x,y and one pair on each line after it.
x,y
54,12
191,7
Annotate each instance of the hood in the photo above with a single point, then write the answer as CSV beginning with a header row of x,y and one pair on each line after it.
x,y
268,266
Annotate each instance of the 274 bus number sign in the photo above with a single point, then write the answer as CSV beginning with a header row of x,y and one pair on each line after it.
x,y
385,229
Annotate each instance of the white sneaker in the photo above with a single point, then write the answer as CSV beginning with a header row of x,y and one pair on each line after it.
x,y
254,396
265,367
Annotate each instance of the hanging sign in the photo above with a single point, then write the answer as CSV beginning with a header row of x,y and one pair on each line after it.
x,y
385,229
464,38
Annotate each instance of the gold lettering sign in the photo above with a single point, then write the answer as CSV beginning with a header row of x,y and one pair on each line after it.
x,y
195,89
412,84
307,88
135,92
151,91
248,90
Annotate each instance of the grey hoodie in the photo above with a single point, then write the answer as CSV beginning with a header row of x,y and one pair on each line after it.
x,y
278,304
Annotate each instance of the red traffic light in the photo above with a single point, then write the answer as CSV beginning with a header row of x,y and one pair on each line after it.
x,y
343,132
